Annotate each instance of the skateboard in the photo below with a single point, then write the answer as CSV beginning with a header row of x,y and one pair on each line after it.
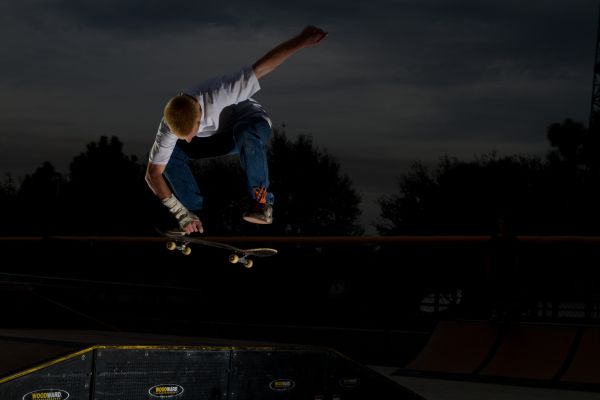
x,y
181,241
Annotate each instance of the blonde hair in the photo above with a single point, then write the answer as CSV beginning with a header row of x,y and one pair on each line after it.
x,y
181,113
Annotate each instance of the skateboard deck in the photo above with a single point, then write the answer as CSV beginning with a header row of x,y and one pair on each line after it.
x,y
181,241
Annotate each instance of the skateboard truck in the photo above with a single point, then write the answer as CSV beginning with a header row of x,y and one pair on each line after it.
x,y
246,262
183,247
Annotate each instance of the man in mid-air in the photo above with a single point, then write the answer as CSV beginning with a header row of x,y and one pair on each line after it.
x,y
219,117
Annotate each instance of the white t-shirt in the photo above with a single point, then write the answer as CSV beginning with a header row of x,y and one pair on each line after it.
x,y
214,96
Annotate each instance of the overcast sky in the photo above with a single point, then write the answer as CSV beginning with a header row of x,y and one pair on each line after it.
x,y
394,82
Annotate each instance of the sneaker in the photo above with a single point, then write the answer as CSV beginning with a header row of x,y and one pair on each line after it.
x,y
261,213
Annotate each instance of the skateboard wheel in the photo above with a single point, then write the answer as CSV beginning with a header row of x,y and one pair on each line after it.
x,y
171,245
248,263
186,251
234,258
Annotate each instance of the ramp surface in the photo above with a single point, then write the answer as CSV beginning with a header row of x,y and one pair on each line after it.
x,y
532,352
456,347
554,356
585,368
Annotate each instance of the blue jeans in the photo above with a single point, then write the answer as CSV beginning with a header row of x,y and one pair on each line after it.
x,y
248,138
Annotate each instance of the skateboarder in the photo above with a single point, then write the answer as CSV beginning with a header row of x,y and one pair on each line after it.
x,y
219,117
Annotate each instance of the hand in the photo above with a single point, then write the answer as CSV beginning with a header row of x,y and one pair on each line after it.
x,y
187,220
312,35
191,223
309,36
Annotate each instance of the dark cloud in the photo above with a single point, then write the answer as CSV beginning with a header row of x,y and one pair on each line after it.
x,y
400,80
147,16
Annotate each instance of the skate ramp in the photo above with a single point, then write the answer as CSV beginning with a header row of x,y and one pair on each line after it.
x,y
585,367
139,367
456,348
546,355
531,352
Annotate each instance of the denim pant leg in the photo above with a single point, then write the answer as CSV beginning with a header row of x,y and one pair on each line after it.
x,y
182,181
251,139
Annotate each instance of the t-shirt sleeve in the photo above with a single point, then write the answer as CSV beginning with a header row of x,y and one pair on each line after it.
x,y
231,89
163,146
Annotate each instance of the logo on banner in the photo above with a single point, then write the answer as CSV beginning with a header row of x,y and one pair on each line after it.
x,y
281,385
165,391
349,382
47,394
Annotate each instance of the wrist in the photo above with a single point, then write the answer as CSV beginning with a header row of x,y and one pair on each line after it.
x,y
175,207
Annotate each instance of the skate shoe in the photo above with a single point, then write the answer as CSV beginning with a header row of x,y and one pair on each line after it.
x,y
261,212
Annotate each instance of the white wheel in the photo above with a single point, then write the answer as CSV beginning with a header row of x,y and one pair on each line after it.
x,y
248,263
186,251
171,245
234,258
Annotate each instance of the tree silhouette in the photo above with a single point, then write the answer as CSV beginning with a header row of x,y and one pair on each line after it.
x,y
40,198
104,193
105,190
9,206
462,197
557,195
573,177
568,138
312,197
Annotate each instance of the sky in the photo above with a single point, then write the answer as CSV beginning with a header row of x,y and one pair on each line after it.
x,y
395,81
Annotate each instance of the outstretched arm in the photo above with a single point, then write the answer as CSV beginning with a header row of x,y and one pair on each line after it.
x,y
311,35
